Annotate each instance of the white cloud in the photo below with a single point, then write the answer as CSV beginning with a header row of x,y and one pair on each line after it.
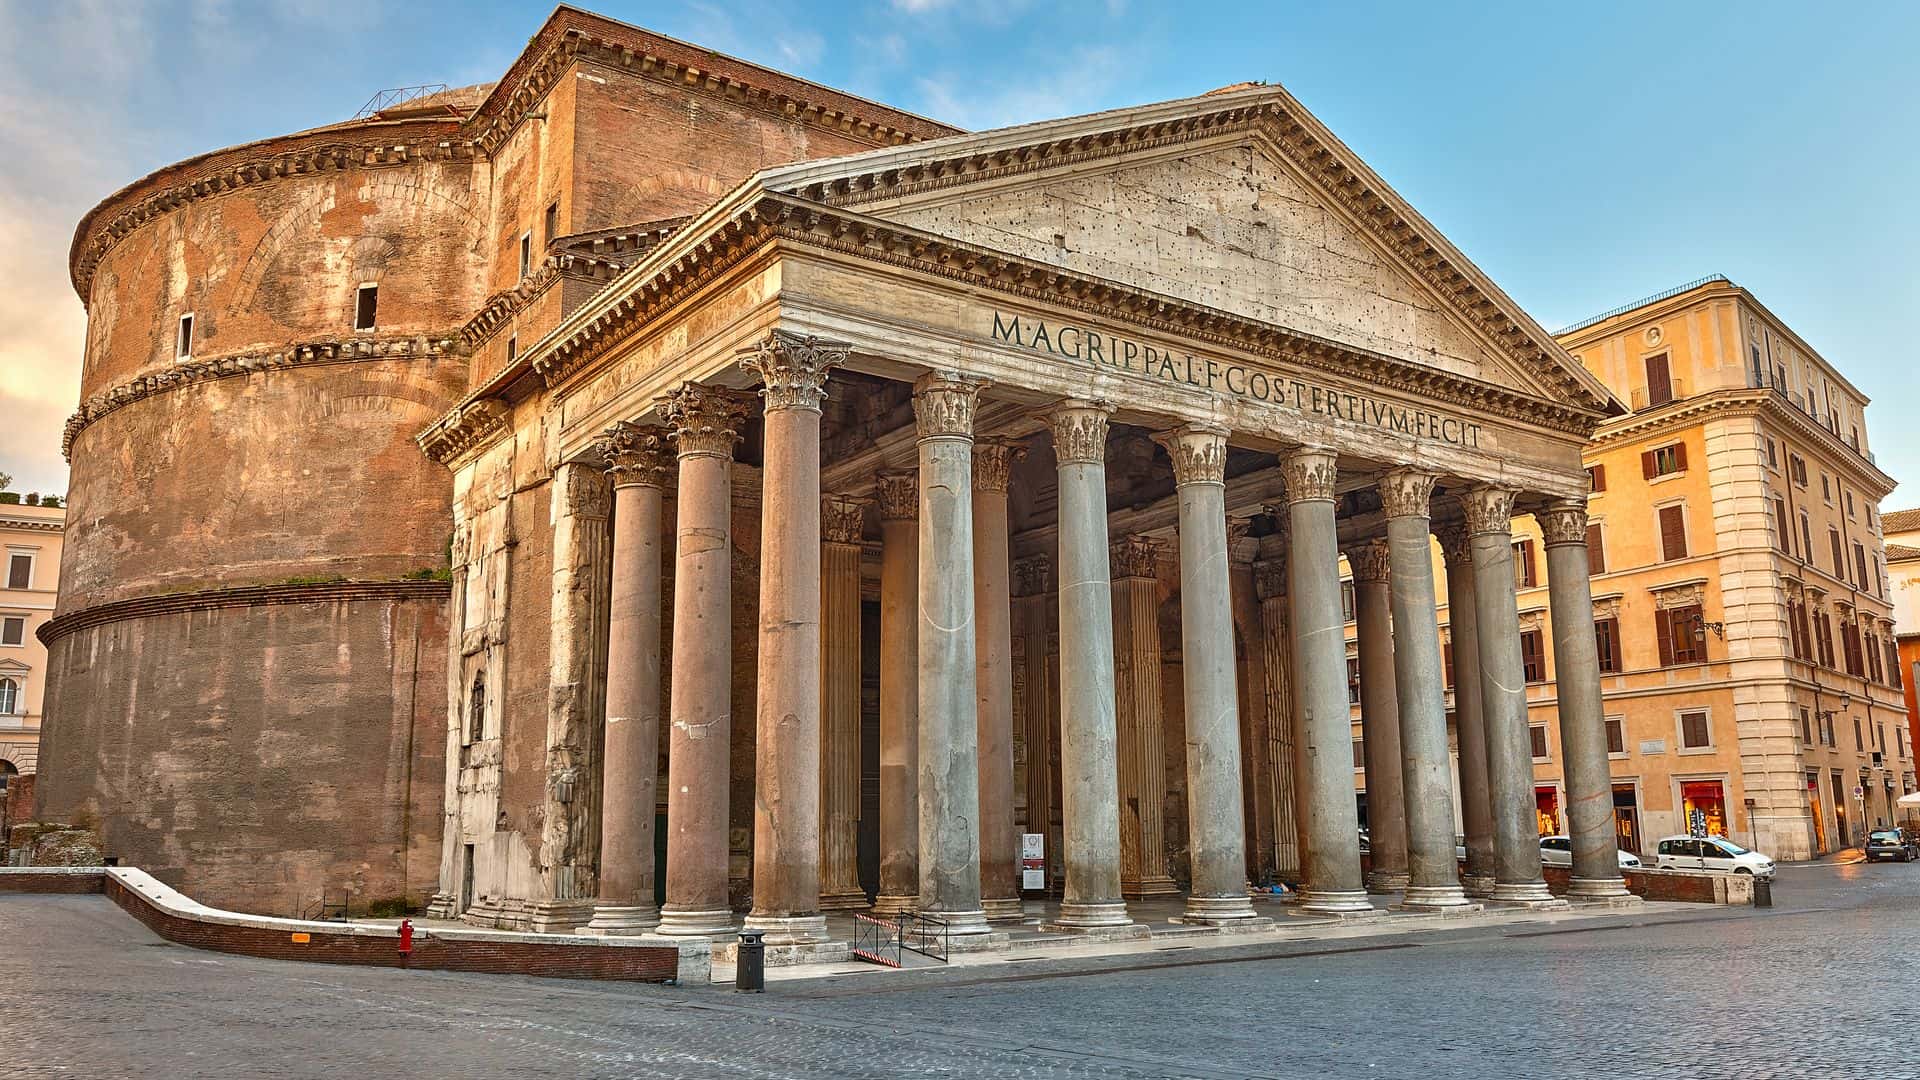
x,y
1079,83
919,7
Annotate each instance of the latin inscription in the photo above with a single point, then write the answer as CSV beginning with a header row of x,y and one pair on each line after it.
x,y
1070,342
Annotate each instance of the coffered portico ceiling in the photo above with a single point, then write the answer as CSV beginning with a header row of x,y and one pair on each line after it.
x,y
1232,220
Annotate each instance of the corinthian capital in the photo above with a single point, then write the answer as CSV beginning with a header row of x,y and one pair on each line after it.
x,y
1489,509
1080,432
1136,556
636,455
1456,543
943,403
1309,474
1369,561
993,461
1563,521
793,368
704,420
899,495
1199,453
842,519
1406,493
1032,575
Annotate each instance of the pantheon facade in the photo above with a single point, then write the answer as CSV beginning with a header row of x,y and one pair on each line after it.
x,y
835,497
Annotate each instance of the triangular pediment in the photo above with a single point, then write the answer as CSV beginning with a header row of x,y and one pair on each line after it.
x,y
1238,203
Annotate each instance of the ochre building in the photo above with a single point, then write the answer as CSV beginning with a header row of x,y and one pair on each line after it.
x,y
737,497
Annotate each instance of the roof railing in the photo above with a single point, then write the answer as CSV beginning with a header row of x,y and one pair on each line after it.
x,y
398,95
1642,302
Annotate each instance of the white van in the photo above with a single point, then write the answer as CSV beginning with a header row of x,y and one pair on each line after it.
x,y
1712,854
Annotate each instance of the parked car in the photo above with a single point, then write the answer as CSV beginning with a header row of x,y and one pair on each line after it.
x,y
1889,844
1712,854
1558,851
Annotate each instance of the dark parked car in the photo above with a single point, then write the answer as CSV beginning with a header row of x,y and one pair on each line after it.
x,y
1889,844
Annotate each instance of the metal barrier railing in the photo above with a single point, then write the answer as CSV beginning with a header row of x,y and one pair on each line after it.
x,y
876,940
885,941
926,935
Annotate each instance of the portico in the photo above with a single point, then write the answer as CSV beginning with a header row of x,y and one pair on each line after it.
x,y
1068,354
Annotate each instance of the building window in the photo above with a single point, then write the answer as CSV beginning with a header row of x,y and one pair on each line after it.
x,y
1681,635
1606,639
1893,665
183,345
1823,638
1773,455
1797,469
1673,532
1806,726
1616,737
13,630
366,306
1664,460
19,570
9,697
552,225
1783,532
1862,581
526,254
1526,575
1695,732
1596,478
477,708
1858,742
1806,537
1659,381
1533,656
1826,488
1839,557
1446,662
1539,734
1849,498
1596,551
1346,600
513,347
1353,681
1359,755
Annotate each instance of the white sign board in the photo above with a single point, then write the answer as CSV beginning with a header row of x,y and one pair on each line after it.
x,y
1033,861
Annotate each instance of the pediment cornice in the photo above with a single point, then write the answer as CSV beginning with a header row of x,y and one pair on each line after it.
x,y
699,254
1266,116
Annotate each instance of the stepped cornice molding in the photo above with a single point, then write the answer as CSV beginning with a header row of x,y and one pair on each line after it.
x,y
247,596
367,145
1745,401
678,64
32,524
699,254
469,428
253,361
1267,116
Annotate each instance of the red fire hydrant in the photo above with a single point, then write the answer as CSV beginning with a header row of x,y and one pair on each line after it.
x,y
406,940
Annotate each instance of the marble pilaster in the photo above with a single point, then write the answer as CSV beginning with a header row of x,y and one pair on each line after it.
x,y
1139,717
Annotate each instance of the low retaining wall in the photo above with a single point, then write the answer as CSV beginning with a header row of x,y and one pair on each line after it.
x,y
1679,886
179,919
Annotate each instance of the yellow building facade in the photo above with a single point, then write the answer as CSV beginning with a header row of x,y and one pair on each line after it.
x,y
1741,598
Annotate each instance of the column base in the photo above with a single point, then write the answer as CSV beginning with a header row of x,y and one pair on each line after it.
x,y
1004,909
1217,910
1477,885
960,923
1436,898
1092,915
708,924
1520,891
1330,902
789,929
443,906
1601,891
1386,881
884,905
1149,887
614,920
844,901
559,916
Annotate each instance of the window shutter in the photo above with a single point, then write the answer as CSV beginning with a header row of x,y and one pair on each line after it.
x,y
1647,466
1673,533
1659,380
1446,661
1679,457
1663,634
1596,554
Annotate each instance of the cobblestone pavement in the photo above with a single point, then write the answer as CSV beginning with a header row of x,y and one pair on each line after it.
x,y
1824,985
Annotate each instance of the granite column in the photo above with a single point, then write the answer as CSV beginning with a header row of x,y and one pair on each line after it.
x,y
1469,720
899,694
842,523
1379,717
993,461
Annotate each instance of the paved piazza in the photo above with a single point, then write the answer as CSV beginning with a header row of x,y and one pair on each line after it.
x,y
1821,986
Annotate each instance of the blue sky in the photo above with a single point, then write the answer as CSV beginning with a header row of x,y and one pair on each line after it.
x,y
1582,155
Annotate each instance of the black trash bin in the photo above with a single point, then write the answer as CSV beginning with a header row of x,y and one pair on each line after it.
x,y
750,969
1762,892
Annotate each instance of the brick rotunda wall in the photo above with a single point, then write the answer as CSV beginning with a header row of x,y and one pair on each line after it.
x,y
247,691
